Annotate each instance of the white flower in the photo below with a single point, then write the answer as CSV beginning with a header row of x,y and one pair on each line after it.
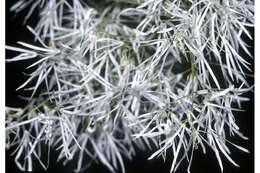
x,y
127,74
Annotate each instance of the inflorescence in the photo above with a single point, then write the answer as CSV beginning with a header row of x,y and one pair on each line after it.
x,y
117,75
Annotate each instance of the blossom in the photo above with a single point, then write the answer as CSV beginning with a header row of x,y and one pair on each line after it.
x,y
126,74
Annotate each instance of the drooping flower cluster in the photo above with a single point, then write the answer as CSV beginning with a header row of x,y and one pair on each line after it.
x,y
121,74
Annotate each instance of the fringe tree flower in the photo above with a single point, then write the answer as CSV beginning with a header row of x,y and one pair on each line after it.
x,y
118,75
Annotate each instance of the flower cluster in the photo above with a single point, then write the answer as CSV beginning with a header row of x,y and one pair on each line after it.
x,y
118,75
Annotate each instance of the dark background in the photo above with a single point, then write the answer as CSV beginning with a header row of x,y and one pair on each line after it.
x,y
16,31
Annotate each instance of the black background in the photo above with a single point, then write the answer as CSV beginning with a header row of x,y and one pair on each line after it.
x,y
16,31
